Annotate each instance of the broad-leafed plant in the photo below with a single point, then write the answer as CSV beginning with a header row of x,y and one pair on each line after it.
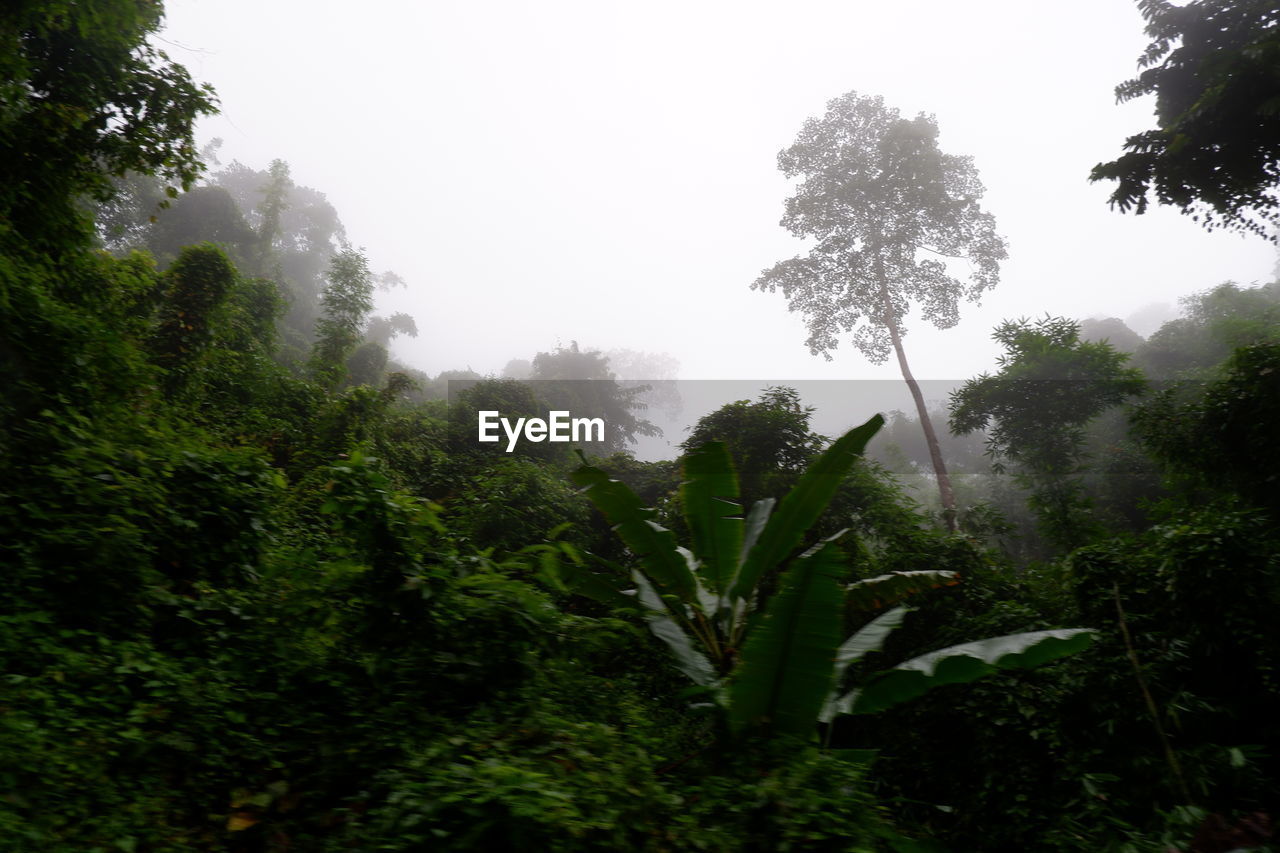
x,y
759,622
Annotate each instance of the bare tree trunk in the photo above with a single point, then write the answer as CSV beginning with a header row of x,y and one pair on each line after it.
x,y
930,437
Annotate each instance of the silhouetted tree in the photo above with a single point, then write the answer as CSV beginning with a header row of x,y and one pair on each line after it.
x,y
888,210
204,214
381,330
297,232
769,441
580,381
518,368
1111,330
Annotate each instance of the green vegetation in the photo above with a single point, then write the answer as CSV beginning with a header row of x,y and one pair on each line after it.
x,y
1214,153
703,603
888,209
1050,386
261,595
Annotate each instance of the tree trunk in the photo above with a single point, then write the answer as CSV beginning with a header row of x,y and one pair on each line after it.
x,y
930,437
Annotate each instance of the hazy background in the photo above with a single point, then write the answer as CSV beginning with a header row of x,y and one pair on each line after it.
x,y
606,172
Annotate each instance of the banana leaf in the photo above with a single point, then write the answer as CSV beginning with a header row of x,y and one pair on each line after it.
x,y
709,493
964,663
653,544
874,593
802,506
757,520
604,589
869,638
786,670
689,660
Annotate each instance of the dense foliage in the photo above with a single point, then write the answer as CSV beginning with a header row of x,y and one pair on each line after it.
x,y
1050,386
1215,152
260,595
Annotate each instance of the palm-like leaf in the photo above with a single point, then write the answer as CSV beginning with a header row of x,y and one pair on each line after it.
x,y
964,663
802,506
602,588
792,661
877,592
869,638
689,660
786,663
653,544
710,492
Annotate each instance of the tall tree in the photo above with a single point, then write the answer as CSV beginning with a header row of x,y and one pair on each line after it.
x,y
889,212
297,232
276,200
1051,384
1215,152
346,301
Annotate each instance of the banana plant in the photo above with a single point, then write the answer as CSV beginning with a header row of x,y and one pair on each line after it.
x,y
778,665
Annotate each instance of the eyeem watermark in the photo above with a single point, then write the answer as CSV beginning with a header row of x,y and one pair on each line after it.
x,y
559,427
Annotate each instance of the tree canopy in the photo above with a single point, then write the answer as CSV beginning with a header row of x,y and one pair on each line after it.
x,y
83,98
1051,384
769,441
581,381
1215,150
889,212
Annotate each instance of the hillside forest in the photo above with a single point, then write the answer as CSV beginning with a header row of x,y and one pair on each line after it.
x,y
265,592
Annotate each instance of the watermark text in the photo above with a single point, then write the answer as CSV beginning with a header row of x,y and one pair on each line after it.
x,y
559,426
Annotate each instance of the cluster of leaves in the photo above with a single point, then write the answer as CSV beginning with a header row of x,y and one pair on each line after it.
x,y
1214,153
782,672
1035,410
1159,738
85,97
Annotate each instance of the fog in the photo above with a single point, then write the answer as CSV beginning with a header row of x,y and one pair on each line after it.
x,y
606,173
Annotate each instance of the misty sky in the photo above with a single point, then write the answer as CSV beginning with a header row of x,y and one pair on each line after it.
x,y
541,172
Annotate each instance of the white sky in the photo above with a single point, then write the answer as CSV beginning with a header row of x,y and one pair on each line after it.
x,y
541,172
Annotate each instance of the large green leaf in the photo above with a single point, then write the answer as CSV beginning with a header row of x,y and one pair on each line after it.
x,y
689,660
802,506
874,593
735,614
786,672
869,638
606,589
757,520
709,494
653,544
963,663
